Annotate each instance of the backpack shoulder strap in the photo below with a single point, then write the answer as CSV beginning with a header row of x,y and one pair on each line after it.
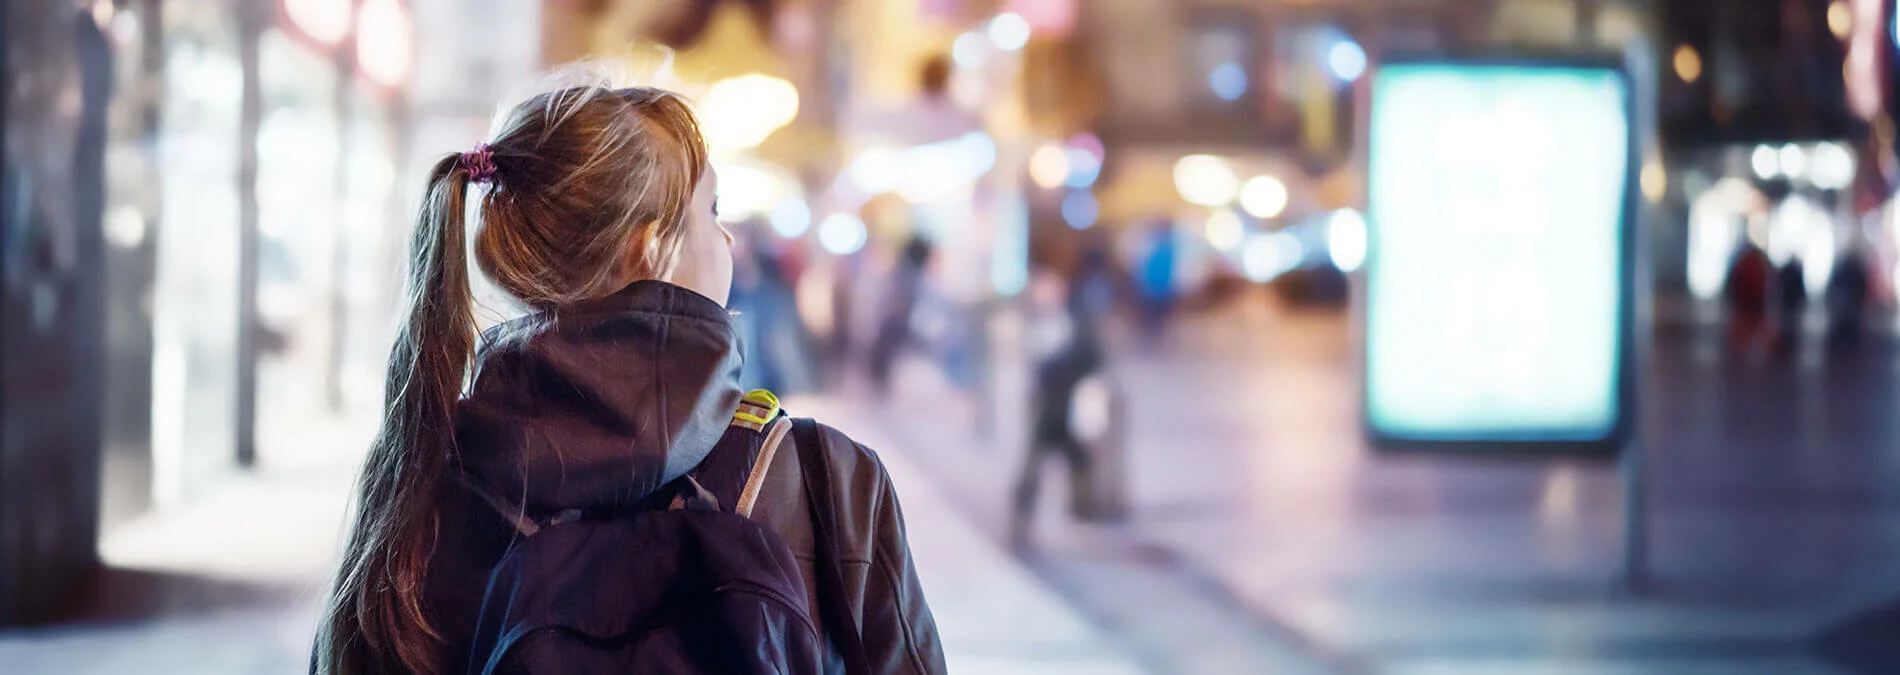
x,y
761,465
816,468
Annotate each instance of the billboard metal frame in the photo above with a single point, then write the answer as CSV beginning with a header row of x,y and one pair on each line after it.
x,y
1623,442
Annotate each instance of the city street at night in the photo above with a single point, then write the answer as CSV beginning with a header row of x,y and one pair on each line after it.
x,y
1254,540
854,337
1256,503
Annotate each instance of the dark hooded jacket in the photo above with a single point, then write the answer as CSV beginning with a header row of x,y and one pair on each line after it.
x,y
597,406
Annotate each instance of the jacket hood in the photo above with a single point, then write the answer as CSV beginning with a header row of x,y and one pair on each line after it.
x,y
600,403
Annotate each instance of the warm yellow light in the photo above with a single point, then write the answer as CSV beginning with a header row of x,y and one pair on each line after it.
x,y
750,190
1840,19
1049,167
1205,180
1688,64
1654,180
1224,230
1263,196
739,113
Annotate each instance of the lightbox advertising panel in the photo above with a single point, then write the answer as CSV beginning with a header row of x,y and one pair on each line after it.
x,y
1496,294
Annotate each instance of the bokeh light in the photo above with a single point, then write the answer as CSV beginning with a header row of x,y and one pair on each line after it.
x,y
1347,60
842,234
1793,161
1654,180
1084,168
1270,255
1079,209
1049,166
747,190
1831,166
1206,180
1688,63
876,169
1346,239
739,113
385,42
1009,31
1263,197
1228,80
1224,230
971,51
791,218
1766,161
1840,19
326,21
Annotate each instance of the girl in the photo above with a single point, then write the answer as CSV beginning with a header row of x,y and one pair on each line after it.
x,y
596,212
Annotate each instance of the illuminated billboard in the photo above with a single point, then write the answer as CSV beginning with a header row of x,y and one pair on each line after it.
x,y
1497,313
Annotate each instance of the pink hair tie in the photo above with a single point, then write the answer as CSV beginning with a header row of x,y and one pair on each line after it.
x,y
480,164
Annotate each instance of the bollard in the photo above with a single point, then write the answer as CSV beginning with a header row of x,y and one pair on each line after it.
x,y
1098,422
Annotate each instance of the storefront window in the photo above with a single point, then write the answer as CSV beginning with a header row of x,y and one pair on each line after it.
x,y
325,188
195,294
299,149
1220,62
1315,66
132,200
374,235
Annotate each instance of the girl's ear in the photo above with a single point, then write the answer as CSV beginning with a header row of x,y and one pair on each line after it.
x,y
645,238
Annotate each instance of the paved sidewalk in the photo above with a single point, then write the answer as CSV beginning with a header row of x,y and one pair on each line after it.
x,y
995,615
1151,602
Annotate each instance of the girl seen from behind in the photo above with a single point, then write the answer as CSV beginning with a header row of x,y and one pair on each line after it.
x,y
595,458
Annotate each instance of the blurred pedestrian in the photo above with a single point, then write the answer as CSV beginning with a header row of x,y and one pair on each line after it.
x,y
1746,295
1791,298
1155,278
894,323
601,472
1065,339
1846,298
777,349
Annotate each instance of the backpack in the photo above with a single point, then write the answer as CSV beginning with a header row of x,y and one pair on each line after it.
x,y
686,583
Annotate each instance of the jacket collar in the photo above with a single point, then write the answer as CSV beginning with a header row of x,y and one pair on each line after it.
x,y
599,403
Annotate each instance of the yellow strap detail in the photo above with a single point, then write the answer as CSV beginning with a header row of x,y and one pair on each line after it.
x,y
764,398
756,409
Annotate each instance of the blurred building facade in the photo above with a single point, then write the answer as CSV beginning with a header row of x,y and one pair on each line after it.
x,y
236,255
250,222
1268,99
52,310
1777,119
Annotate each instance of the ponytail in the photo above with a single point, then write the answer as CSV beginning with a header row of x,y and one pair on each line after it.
x,y
588,167
375,621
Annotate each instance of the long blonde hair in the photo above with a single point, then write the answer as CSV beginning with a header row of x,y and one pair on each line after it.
x,y
589,191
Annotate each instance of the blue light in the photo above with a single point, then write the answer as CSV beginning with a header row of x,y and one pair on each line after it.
x,y
1228,80
1084,168
1009,266
1079,209
1347,59
980,150
791,218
